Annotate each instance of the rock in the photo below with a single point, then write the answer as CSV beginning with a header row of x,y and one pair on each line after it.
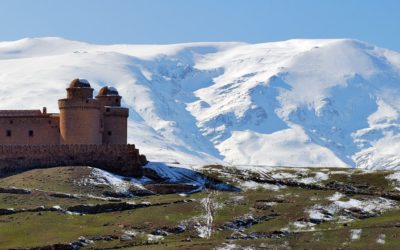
x,y
125,237
5,211
316,221
165,231
104,208
246,222
76,245
84,241
258,235
104,238
339,186
15,190
141,192
160,231
164,188
55,247
179,229
62,195
116,194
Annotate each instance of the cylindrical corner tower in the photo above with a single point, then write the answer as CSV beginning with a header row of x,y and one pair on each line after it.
x,y
80,115
115,117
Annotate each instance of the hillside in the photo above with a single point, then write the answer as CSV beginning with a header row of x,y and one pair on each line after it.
x,y
293,103
177,208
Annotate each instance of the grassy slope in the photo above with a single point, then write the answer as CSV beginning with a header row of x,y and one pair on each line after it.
x,y
30,229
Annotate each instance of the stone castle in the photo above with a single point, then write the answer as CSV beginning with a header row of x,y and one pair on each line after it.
x,y
87,131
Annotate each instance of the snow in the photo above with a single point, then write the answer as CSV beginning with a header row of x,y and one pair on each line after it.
x,y
118,183
250,185
301,226
230,246
302,103
284,175
336,196
227,247
205,224
395,177
72,213
381,239
367,205
154,238
315,179
355,234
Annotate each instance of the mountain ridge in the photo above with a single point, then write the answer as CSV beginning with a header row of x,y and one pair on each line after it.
x,y
325,102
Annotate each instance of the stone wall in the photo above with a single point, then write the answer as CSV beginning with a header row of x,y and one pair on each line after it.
x,y
80,121
32,130
120,159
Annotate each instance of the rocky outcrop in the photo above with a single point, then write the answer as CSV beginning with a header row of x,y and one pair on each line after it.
x,y
165,188
15,191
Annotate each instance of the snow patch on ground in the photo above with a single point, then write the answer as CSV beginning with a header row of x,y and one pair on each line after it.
x,y
334,210
355,234
118,183
154,238
252,185
230,246
367,205
300,226
336,196
381,239
205,223
284,175
395,178
319,176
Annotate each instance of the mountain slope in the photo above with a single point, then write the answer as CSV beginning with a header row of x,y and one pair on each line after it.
x,y
296,102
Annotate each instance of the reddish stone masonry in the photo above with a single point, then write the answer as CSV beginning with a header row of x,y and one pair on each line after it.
x,y
120,159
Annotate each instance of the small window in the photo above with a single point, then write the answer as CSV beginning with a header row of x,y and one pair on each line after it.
x,y
107,109
30,133
11,121
116,100
87,101
109,133
8,133
49,121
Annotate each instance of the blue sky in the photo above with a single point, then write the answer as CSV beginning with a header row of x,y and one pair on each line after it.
x,y
174,21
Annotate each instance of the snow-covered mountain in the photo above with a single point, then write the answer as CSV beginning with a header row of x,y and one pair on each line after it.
x,y
292,103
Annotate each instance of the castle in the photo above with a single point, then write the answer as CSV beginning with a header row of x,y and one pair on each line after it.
x,y
87,131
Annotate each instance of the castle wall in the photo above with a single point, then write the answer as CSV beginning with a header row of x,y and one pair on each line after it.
x,y
80,121
120,159
109,100
82,93
29,130
115,125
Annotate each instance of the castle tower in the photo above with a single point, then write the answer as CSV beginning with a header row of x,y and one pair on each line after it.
x,y
80,115
115,117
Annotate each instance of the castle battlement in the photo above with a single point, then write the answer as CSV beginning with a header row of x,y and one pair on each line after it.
x,y
87,131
